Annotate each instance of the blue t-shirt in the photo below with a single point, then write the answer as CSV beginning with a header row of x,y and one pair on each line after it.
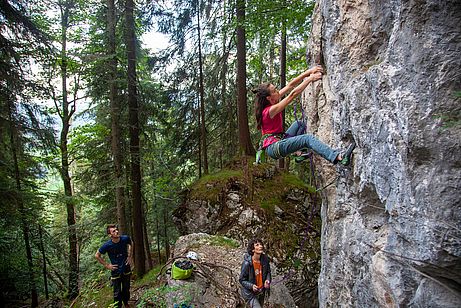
x,y
118,253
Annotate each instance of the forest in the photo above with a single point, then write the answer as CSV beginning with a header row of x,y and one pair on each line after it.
x,y
98,125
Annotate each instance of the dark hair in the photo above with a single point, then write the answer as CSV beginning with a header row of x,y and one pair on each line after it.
x,y
111,226
251,245
261,102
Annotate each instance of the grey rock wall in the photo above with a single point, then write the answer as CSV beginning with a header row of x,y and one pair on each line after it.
x,y
391,229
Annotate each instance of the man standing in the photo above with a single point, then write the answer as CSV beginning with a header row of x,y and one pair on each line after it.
x,y
119,249
255,276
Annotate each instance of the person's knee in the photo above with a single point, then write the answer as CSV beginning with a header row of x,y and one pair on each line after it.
x,y
254,303
117,292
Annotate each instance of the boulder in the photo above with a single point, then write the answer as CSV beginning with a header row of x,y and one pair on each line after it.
x,y
214,282
271,205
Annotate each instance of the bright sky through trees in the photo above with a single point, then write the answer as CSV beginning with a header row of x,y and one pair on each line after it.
x,y
154,40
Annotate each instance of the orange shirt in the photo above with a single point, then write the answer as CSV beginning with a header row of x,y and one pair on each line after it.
x,y
258,273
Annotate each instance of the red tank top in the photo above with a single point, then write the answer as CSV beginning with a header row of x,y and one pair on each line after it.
x,y
271,126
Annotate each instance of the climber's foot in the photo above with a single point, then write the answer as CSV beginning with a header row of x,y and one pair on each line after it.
x,y
345,157
302,156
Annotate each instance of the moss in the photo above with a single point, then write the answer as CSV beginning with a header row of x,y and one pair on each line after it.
x,y
149,277
370,64
272,192
210,186
157,297
215,240
267,191
223,241
293,181
269,204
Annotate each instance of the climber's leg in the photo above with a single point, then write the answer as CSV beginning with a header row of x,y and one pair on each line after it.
x,y
288,146
296,129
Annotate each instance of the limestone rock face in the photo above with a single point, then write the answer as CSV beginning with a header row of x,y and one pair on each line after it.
x,y
391,229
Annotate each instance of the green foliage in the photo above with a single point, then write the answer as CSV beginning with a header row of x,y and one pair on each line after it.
x,y
158,296
269,204
168,116
218,240
210,186
149,278
96,293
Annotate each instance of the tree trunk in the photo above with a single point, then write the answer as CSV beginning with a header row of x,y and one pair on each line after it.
x,y
158,239
140,260
242,110
66,115
229,137
202,97
283,76
165,231
42,250
115,112
22,211
199,143
149,264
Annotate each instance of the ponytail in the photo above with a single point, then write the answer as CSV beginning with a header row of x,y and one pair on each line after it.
x,y
261,102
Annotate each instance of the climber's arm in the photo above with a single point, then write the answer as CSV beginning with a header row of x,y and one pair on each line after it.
x,y
295,81
279,107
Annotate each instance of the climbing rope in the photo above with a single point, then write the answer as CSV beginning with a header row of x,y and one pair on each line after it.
x,y
309,222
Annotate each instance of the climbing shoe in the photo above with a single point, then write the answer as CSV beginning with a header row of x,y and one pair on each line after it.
x,y
347,155
302,157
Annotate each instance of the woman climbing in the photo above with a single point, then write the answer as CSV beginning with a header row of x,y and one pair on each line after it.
x,y
268,112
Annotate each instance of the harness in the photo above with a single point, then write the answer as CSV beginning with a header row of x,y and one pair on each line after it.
x,y
261,152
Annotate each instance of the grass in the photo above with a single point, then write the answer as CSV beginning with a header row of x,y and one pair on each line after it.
x,y
157,297
149,278
95,296
271,193
210,186
218,240
269,204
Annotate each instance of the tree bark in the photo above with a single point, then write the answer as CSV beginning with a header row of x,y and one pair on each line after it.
x,y
158,239
244,132
165,231
199,143
149,263
22,211
66,115
44,270
202,97
228,138
283,76
140,260
115,112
